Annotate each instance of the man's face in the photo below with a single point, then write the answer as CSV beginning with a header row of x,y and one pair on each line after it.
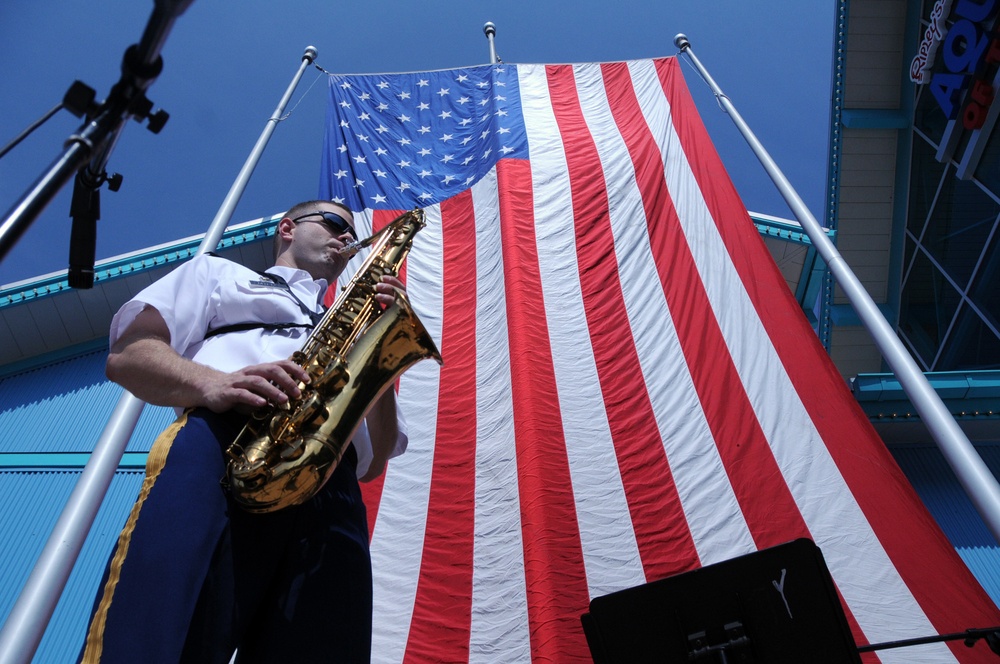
x,y
317,239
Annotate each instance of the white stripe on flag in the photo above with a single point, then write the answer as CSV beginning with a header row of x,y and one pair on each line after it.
x,y
499,602
712,512
610,551
879,599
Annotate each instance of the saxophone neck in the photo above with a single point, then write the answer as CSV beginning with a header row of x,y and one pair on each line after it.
x,y
415,217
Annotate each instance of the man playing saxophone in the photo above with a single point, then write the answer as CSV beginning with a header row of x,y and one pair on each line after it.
x,y
194,577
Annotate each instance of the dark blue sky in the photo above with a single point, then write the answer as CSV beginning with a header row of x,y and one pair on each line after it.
x,y
226,65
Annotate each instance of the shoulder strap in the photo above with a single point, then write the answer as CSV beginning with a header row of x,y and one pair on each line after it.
x,y
239,327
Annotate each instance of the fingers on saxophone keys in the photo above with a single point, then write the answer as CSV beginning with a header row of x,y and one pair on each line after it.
x,y
277,381
297,373
384,293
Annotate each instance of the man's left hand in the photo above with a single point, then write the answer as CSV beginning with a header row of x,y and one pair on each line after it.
x,y
384,293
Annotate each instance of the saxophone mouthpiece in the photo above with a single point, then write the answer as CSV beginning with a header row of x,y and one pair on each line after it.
x,y
356,246
349,249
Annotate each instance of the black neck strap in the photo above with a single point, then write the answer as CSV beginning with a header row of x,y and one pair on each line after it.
x,y
280,282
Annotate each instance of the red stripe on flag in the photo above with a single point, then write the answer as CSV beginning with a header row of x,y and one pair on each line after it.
x,y
371,492
555,578
768,507
662,536
441,622
887,499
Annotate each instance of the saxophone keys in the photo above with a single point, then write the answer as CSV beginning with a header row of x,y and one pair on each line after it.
x,y
291,451
305,413
334,376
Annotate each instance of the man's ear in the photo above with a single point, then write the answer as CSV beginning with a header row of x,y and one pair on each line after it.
x,y
284,229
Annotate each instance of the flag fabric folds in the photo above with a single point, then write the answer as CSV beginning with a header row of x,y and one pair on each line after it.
x,y
629,391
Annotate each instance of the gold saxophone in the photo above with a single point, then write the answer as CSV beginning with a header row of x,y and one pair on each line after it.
x,y
284,455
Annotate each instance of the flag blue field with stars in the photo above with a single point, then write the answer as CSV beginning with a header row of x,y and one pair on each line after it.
x,y
398,141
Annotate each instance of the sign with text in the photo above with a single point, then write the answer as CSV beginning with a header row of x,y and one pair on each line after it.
x,y
958,60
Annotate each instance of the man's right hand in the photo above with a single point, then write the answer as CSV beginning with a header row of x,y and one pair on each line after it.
x,y
253,387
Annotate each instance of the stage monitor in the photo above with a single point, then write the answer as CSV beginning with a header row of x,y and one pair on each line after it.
x,y
775,606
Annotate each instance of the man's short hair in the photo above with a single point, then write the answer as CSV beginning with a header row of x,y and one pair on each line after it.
x,y
300,209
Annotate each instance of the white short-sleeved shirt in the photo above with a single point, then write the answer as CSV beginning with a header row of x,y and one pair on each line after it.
x,y
209,293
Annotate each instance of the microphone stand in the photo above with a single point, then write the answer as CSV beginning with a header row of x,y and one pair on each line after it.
x,y
86,152
969,637
25,625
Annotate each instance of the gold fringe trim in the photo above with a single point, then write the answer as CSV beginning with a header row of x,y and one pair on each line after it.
x,y
154,464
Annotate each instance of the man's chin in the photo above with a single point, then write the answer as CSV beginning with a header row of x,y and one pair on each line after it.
x,y
331,272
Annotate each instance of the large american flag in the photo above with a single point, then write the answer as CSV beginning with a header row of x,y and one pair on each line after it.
x,y
629,389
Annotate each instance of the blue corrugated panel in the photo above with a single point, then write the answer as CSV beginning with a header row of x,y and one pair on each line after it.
x,y
32,503
64,406
938,487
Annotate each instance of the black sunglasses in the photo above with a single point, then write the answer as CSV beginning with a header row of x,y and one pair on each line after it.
x,y
335,221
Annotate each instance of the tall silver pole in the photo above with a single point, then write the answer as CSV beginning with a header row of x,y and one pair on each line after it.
x,y
30,615
225,213
490,31
972,472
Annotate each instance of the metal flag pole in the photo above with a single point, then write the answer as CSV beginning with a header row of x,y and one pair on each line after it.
x,y
490,31
30,615
972,472
225,213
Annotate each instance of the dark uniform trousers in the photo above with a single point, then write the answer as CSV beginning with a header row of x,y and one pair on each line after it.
x,y
194,577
